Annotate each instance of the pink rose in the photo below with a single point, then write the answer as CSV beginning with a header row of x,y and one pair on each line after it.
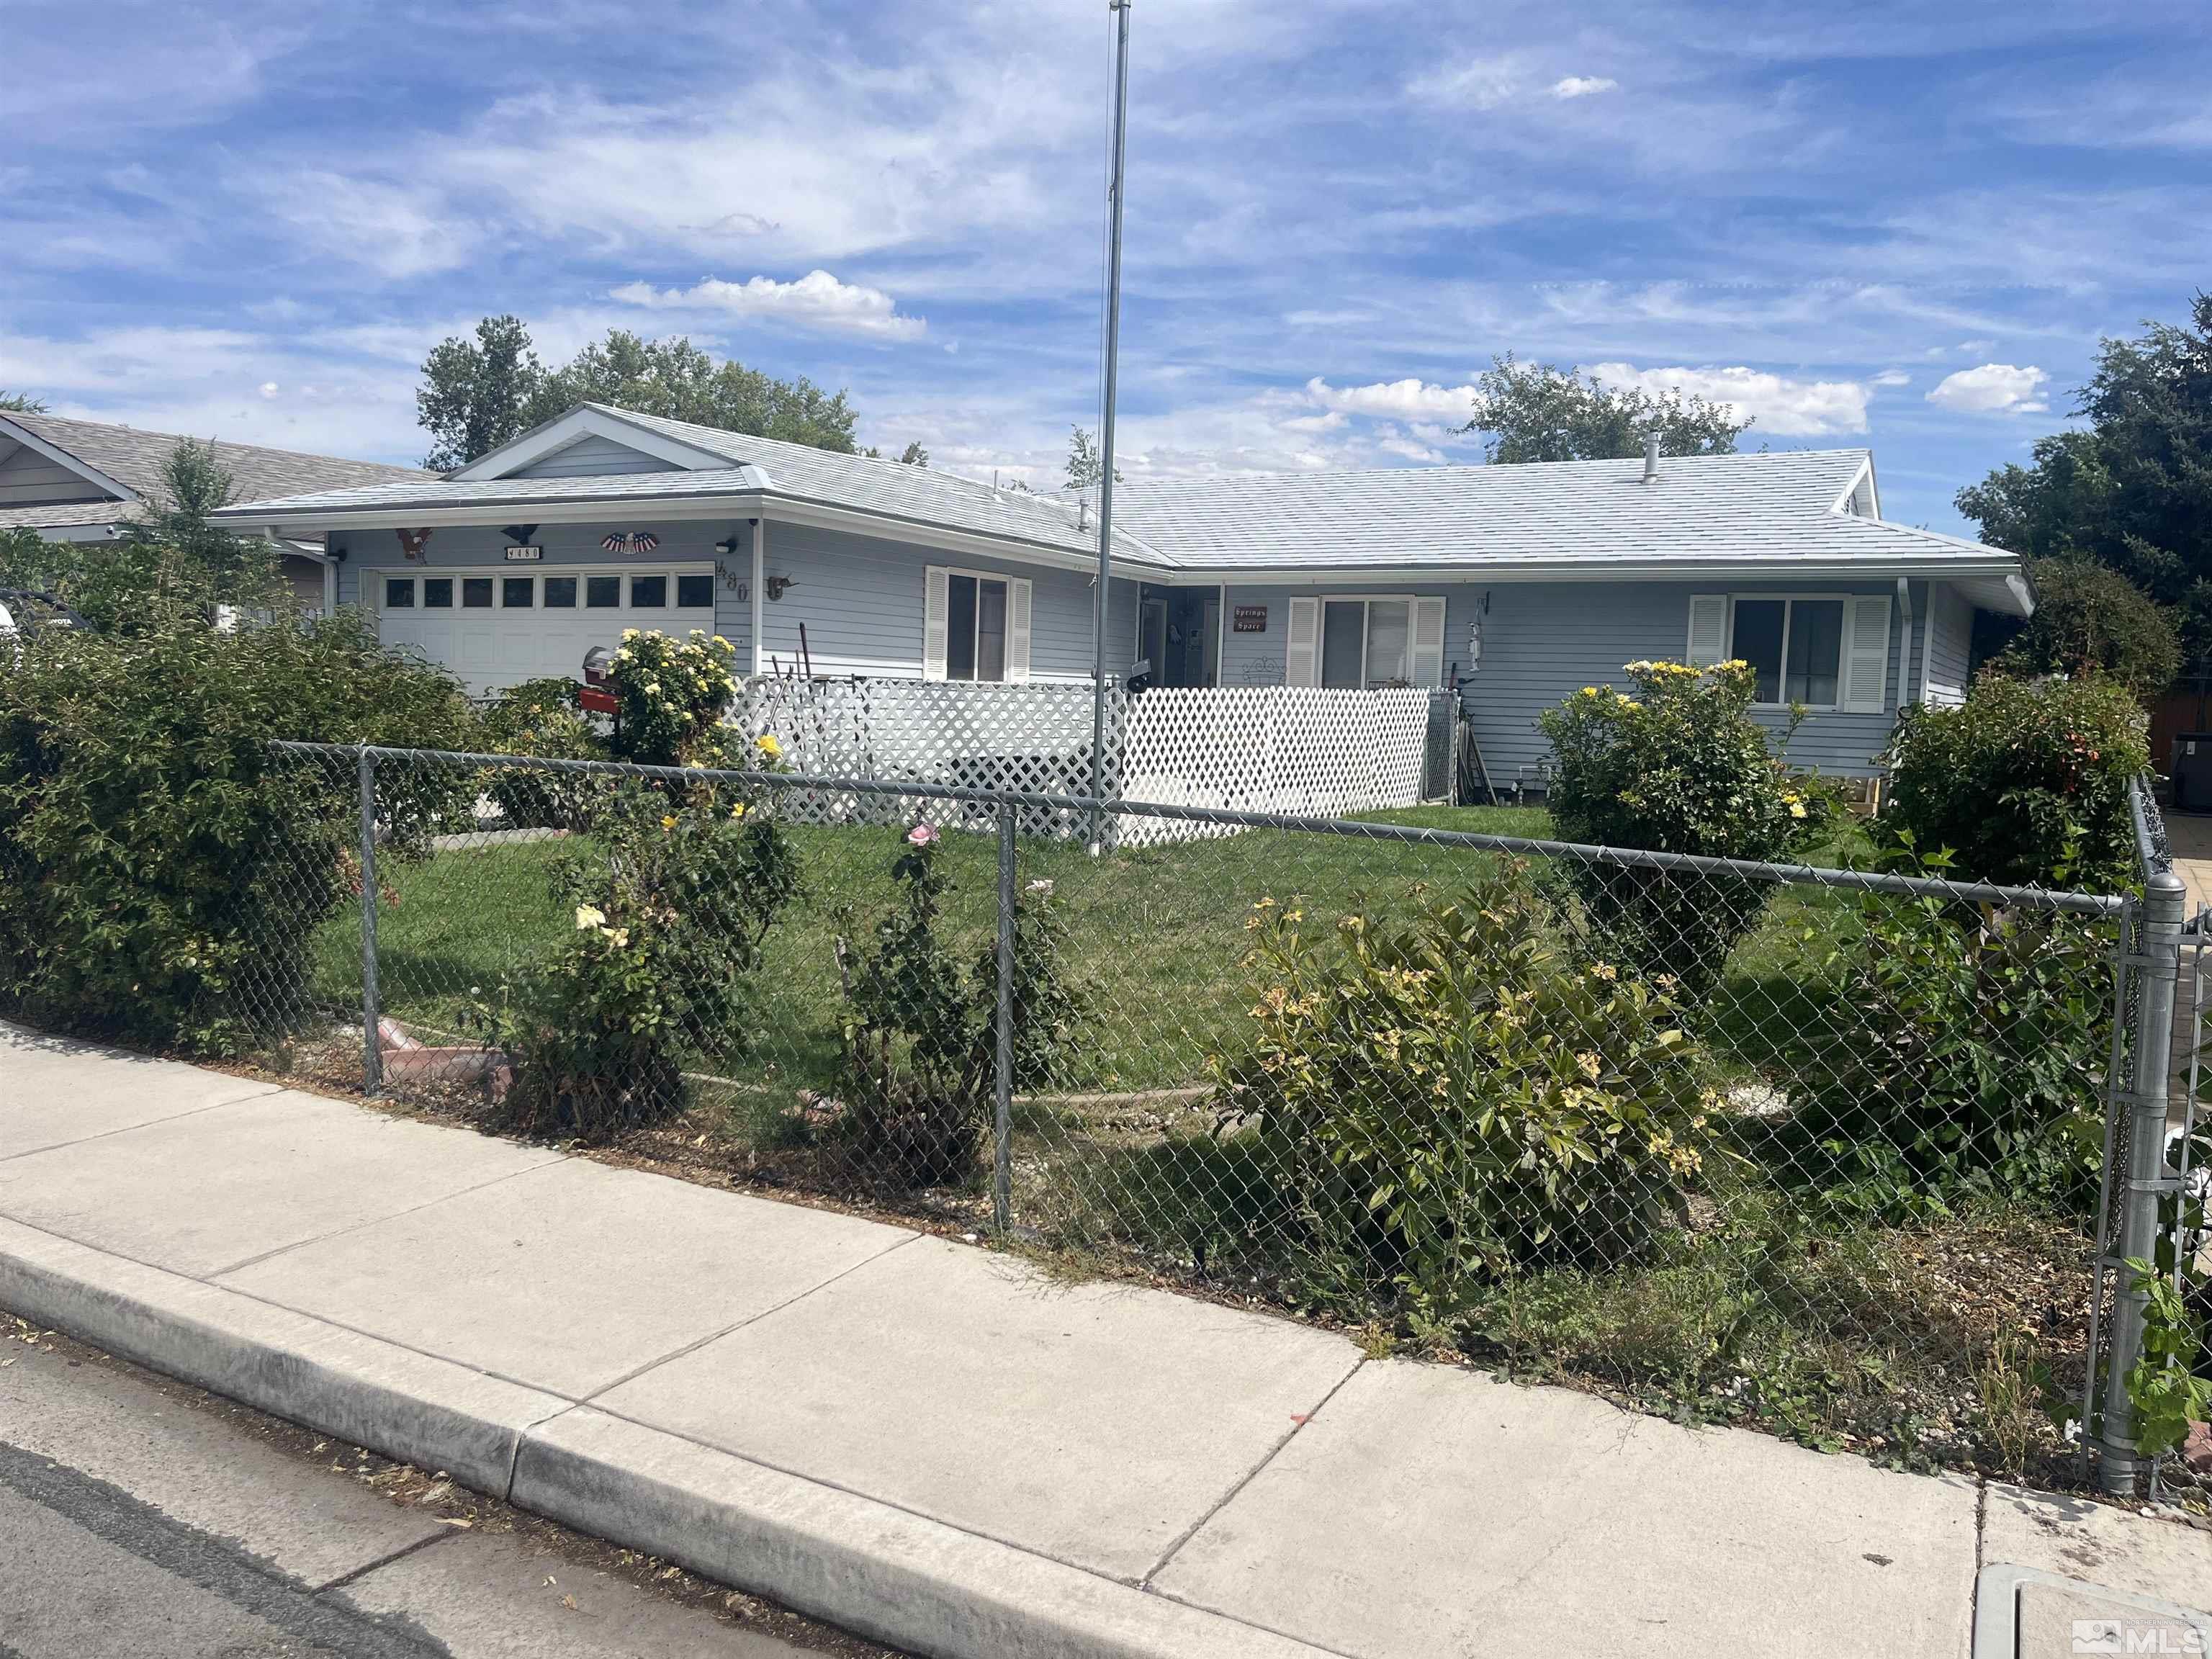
x,y
922,835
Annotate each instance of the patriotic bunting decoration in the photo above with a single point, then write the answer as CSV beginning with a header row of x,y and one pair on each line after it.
x,y
636,541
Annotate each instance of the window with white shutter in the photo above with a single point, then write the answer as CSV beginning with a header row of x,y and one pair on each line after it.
x,y
1708,630
1017,630
1428,642
976,625
1866,654
1302,646
935,603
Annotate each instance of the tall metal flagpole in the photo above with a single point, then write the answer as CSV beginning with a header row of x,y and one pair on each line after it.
x,y
1121,10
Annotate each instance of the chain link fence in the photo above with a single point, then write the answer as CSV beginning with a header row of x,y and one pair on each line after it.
x,y
1827,1148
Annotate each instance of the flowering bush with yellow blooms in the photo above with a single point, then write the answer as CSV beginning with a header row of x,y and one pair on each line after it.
x,y
674,694
1459,1094
1679,766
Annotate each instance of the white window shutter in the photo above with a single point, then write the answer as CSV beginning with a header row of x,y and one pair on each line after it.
x,y
936,603
1426,666
1866,654
1302,648
1018,629
1708,642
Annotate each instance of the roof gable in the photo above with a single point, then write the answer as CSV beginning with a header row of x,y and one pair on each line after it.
x,y
663,450
125,462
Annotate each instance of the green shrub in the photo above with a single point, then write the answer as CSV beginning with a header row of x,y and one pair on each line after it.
x,y
1681,769
1458,1098
2092,620
2024,783
161,867
919,1076
1964,1053
545,718
672,900
674,694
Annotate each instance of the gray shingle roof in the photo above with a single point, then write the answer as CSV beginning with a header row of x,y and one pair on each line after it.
x,y
1703,511
133,457
1759,505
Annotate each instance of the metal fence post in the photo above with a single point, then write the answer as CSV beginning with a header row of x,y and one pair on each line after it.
x,y
2157,974
372,1051
1002,1121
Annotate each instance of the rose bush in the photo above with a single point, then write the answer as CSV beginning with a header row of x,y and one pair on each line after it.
x,y
672,695
671,899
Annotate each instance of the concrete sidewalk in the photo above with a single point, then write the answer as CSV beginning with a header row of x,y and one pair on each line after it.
x,y
930,1444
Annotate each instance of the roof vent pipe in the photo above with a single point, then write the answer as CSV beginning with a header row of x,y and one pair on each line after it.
x,y
1651,458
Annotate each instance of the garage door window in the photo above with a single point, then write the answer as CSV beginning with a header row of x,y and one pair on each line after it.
x,y
560,593
518,592
475,593
603,592
695,592
399,593
648,592
437,592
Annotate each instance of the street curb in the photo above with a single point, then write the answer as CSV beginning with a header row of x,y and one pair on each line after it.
x,y
882,1572
428,1410
872,1568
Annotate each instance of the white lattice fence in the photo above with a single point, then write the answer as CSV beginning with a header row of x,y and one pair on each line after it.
x,y
1030,737
1270,749
1264,748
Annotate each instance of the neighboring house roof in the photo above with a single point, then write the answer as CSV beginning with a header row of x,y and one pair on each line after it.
x,y
1722,514
121,466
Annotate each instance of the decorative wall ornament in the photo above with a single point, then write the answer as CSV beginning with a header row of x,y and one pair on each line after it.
x,y
411,543
634,541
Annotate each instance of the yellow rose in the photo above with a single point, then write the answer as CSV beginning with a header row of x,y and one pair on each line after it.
x,y
768,745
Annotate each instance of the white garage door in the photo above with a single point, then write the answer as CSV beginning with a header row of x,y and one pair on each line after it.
x,y
497,627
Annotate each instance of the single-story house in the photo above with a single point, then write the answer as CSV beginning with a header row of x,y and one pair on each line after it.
x,y
76,481
1519,585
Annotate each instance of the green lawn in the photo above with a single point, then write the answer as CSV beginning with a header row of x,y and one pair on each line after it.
x,y
1155,936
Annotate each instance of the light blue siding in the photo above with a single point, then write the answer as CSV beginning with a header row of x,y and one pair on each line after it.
x,y
1950,643
860,599
593,456
1543,641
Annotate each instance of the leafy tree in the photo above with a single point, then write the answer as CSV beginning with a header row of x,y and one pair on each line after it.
x,y
238,570
1086,461
474,395
676,380
2091,618
477,395
1538,412
915,455
2133,490
21,403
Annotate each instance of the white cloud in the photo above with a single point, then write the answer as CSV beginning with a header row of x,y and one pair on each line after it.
x,y
1783,407
1582,86
1483,83
395,230
1993,389
816,300
1408,399
268,388
1892,377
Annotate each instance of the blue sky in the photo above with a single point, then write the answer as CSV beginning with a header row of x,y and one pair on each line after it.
x,y
1901,225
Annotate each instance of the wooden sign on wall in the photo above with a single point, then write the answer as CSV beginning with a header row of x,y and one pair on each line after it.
x,y
1248,619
